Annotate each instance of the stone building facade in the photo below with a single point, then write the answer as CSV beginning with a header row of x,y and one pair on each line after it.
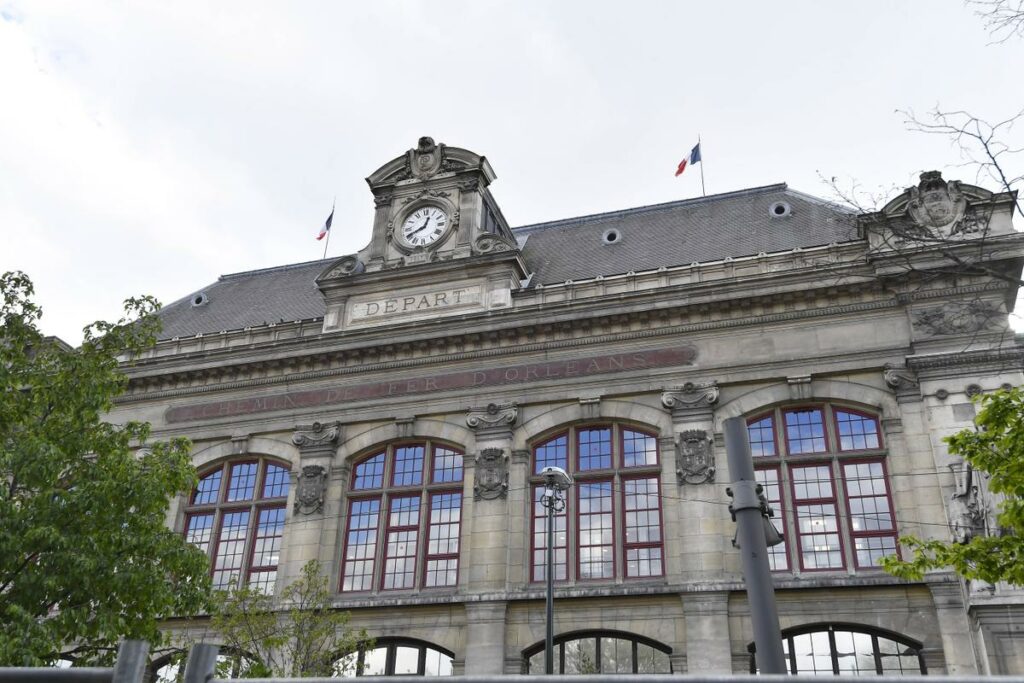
x,y
388,413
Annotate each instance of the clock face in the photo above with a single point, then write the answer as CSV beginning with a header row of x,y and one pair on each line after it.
x,y
424,226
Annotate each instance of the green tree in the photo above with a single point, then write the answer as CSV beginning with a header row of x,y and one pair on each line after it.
x,y
294,635
85,556
996,448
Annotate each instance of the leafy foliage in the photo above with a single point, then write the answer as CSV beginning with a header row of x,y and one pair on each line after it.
x,y
997,448
85,556
297,634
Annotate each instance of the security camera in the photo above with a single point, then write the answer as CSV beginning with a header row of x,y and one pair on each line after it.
x,y
556,477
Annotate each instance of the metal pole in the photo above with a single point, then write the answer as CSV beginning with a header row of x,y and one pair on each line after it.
x,y
131,661
750,536
201,663
549,607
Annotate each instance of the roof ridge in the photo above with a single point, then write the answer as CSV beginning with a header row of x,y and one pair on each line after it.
x,y
274,269
692,201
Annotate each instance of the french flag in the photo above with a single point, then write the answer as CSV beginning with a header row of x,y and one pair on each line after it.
x,y
327,226
693,158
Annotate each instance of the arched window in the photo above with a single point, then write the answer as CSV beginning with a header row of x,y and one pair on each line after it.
x,y
236,516
404,518
614,505
848,650
601,652
824,472
396,657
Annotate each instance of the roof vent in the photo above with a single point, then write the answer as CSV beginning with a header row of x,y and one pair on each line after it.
x,y
200,299
780,210
611,236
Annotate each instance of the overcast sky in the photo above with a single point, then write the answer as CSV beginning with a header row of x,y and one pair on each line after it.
x,y
151,147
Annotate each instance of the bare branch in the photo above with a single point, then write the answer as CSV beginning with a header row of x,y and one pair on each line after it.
x,y
1003,19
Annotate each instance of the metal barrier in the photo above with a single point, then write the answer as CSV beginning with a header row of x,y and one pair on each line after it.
x,y
129,667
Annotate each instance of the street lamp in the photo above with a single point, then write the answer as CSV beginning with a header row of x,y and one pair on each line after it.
x,y
556,482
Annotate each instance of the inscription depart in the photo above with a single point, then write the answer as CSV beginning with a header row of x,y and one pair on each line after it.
x,y
513,374
412,303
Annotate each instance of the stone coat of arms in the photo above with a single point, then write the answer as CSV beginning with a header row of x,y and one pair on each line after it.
x,y
937,204
695,463
309,494
491,479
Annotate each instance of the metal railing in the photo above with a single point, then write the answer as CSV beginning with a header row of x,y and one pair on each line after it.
x,y
129,667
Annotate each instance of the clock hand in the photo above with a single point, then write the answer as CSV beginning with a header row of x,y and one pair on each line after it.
x,y
421,228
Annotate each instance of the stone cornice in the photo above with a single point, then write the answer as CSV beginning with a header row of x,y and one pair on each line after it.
x,y
563,334
1011,357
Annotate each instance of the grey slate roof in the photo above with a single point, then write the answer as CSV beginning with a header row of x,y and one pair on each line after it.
x,y
677,233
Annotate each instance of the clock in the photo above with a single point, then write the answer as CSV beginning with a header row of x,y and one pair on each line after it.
x,y
424,226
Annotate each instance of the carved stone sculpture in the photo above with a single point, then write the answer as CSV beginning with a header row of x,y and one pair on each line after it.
x,y
956,318
937,204
309,493
494,415
488,243
316,435
966,512
695,463
690,396
491,477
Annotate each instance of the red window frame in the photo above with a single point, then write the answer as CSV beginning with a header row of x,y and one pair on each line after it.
x,y
611,447
430,526
220,507
385,494
770,416
538,528
824,428
779,519
617,474
854,535
640,545
579,527
860,413
389,529
253,568
804,502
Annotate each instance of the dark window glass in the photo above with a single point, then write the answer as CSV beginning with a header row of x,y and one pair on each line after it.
x,y
395,658
242,481
369,473
408,466
275,483
762,437
595,448
601,653
638,449
847,650
805,431
447,465
208,489
856,432
553,453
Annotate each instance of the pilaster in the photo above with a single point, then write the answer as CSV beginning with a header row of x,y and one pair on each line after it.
x,y
708,648
485,638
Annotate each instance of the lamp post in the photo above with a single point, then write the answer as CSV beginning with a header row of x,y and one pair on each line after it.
x,y
556,482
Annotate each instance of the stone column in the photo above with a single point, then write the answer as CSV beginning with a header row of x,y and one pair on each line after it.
x,y
487,515
708,646
315,513
703,531
485,638
957,642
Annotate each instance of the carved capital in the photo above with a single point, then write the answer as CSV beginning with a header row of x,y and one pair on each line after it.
x,y
491,474
690,398
493,416
317,438
903,381
309,492
695,460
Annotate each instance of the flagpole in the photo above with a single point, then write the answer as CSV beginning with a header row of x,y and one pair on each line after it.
x,y
702,190
333,202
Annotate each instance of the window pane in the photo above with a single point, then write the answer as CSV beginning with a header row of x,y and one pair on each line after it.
x,y
360,545
263,581
402,539
642,526
199,531
267,545
638,449
616,656
370,473
438,663
242,482
805,431
230,548
408,466
595,530
871,518
540,539
554,453
898,658
812,483
819,536
855,654
407,660
651,661
769,480
762,437
447,465
856,432
374,661
581,656
208,489
443,539
275,484
813,653
595,448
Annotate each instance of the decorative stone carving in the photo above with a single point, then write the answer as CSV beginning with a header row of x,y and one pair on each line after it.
x,y
309,493
382,199
956,318
695,463
317,438
966,512
469,185
935,203
690,396
973,390
426,159
494,415
900,377
491,474
488,243
348,265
